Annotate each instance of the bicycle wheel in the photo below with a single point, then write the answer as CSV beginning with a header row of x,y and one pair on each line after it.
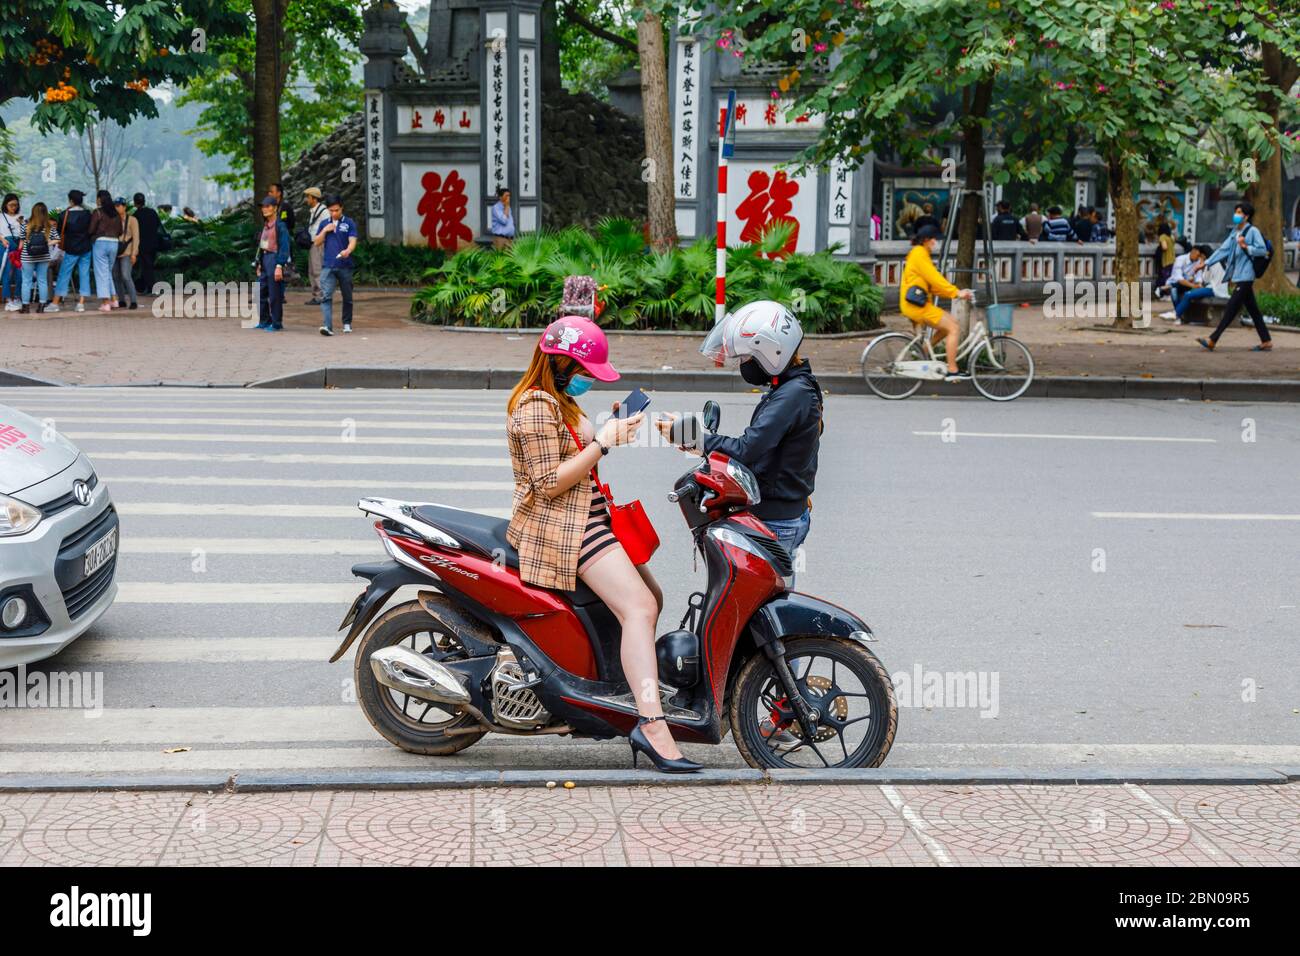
x,y
879,358
1002,369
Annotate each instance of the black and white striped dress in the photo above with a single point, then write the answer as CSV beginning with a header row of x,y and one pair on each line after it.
x,y
598,538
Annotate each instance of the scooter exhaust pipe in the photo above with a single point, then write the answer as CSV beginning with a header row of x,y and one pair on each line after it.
x,y
407,672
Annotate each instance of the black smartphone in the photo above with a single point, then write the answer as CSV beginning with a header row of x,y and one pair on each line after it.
x,y
636,402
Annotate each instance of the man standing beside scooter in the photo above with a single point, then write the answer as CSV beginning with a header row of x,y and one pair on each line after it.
x,y
780,445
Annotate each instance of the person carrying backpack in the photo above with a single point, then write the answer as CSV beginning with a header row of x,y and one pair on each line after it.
x,y
1245,254
75,241
40,238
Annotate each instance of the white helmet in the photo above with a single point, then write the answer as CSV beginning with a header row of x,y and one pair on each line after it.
x,y
765,331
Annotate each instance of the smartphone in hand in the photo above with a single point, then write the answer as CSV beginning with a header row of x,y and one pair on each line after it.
x,y
636,402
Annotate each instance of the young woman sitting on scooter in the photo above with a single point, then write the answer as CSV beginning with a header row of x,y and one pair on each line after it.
x,y
780,445
560,521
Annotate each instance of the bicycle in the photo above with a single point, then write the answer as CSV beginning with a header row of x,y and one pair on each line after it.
x,y
895,364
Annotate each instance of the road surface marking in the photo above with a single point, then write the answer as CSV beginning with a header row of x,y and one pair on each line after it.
x,y
224,650
370,487
236,456
315,421
918,826
170,508
1171,818
408,440
159,592
1159,438
1194,516
182,544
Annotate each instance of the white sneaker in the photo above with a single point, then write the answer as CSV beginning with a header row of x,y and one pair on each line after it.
x,y
12,306
1168,315
347,328
51,307
81,307
325,331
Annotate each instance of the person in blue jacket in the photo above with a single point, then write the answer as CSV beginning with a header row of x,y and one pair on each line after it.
x,y
273,252
1237,253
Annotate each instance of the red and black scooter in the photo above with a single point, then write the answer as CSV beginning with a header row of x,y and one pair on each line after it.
x,y
482,652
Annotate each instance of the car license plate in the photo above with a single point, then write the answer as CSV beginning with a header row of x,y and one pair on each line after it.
x,y
101,552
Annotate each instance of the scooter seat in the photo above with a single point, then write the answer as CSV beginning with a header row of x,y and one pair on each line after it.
x,y
487,534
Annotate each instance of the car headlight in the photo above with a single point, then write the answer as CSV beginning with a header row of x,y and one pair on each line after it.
x,y
745,478
17,517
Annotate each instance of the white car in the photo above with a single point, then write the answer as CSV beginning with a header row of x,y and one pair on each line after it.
x,y
58,541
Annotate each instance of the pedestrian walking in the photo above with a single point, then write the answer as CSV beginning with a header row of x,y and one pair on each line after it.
x,y
76,243
337,239
503,221
106,233
1240,252
149,225
129,249
317,213
39,238
12,227
272,254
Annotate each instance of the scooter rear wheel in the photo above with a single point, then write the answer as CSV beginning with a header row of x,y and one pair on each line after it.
x,y
845,682
416,726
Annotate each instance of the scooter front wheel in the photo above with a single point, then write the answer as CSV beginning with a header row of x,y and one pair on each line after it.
x,y
848,686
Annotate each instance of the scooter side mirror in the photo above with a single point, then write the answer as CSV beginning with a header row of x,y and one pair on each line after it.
x,y
712,416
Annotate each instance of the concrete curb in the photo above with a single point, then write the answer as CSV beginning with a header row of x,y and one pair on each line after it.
x,y
276,781
9,377
841,383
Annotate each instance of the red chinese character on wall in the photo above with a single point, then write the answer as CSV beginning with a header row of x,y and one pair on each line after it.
x,y
768,202
464,119
439,118
769,114
417,121
443,207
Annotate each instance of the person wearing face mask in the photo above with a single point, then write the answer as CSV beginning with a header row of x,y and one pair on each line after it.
x,y
922,284
780,445
1238,253
559,519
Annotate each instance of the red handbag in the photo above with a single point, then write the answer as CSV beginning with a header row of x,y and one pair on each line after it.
x,y
629,522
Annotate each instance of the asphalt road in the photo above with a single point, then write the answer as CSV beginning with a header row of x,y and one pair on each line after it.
x,y
1120,576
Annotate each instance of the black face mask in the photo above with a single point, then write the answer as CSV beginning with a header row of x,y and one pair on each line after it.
x,y
562,379
753,373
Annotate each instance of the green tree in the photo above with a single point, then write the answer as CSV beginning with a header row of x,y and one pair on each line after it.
x,y
83,60
308,84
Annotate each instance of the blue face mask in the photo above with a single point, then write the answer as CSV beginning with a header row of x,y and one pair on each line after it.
x,y
578,386
1238,219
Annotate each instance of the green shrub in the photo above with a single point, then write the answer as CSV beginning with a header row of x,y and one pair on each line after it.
x,y
1285,307
523,285
223,250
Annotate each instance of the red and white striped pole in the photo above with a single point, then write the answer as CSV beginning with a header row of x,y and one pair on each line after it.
x,y
726,144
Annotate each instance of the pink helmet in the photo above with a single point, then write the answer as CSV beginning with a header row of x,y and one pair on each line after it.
x,y
583,341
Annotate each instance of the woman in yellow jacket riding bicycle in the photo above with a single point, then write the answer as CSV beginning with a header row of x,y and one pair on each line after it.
x,y
922,284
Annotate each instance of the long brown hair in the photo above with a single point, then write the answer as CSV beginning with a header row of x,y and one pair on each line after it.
x,y
541,374
39,220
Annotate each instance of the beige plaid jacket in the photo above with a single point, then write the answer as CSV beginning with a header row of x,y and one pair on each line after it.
x,y
547,532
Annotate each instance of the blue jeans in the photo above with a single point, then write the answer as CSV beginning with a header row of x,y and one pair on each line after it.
x,y
1188,297
70,262
9,277
39,271
329,278
791,532
104,254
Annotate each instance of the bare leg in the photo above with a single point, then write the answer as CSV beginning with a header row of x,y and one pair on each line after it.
x,y
622,587
952,336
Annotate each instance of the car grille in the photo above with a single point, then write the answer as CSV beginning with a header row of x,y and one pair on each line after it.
x,y
64,502
79,597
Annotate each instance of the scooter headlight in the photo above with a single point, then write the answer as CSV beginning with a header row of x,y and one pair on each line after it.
x,y
17,517
745,478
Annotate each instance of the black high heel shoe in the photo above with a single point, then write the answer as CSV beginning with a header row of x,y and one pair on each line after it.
x,y
641,745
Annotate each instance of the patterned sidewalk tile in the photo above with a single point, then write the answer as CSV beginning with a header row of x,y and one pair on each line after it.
x,y
651,826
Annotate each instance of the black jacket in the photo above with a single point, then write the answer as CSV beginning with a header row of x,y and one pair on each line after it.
x,y
780,444
149,226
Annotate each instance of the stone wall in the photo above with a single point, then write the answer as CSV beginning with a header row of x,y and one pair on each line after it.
x,y
591,161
